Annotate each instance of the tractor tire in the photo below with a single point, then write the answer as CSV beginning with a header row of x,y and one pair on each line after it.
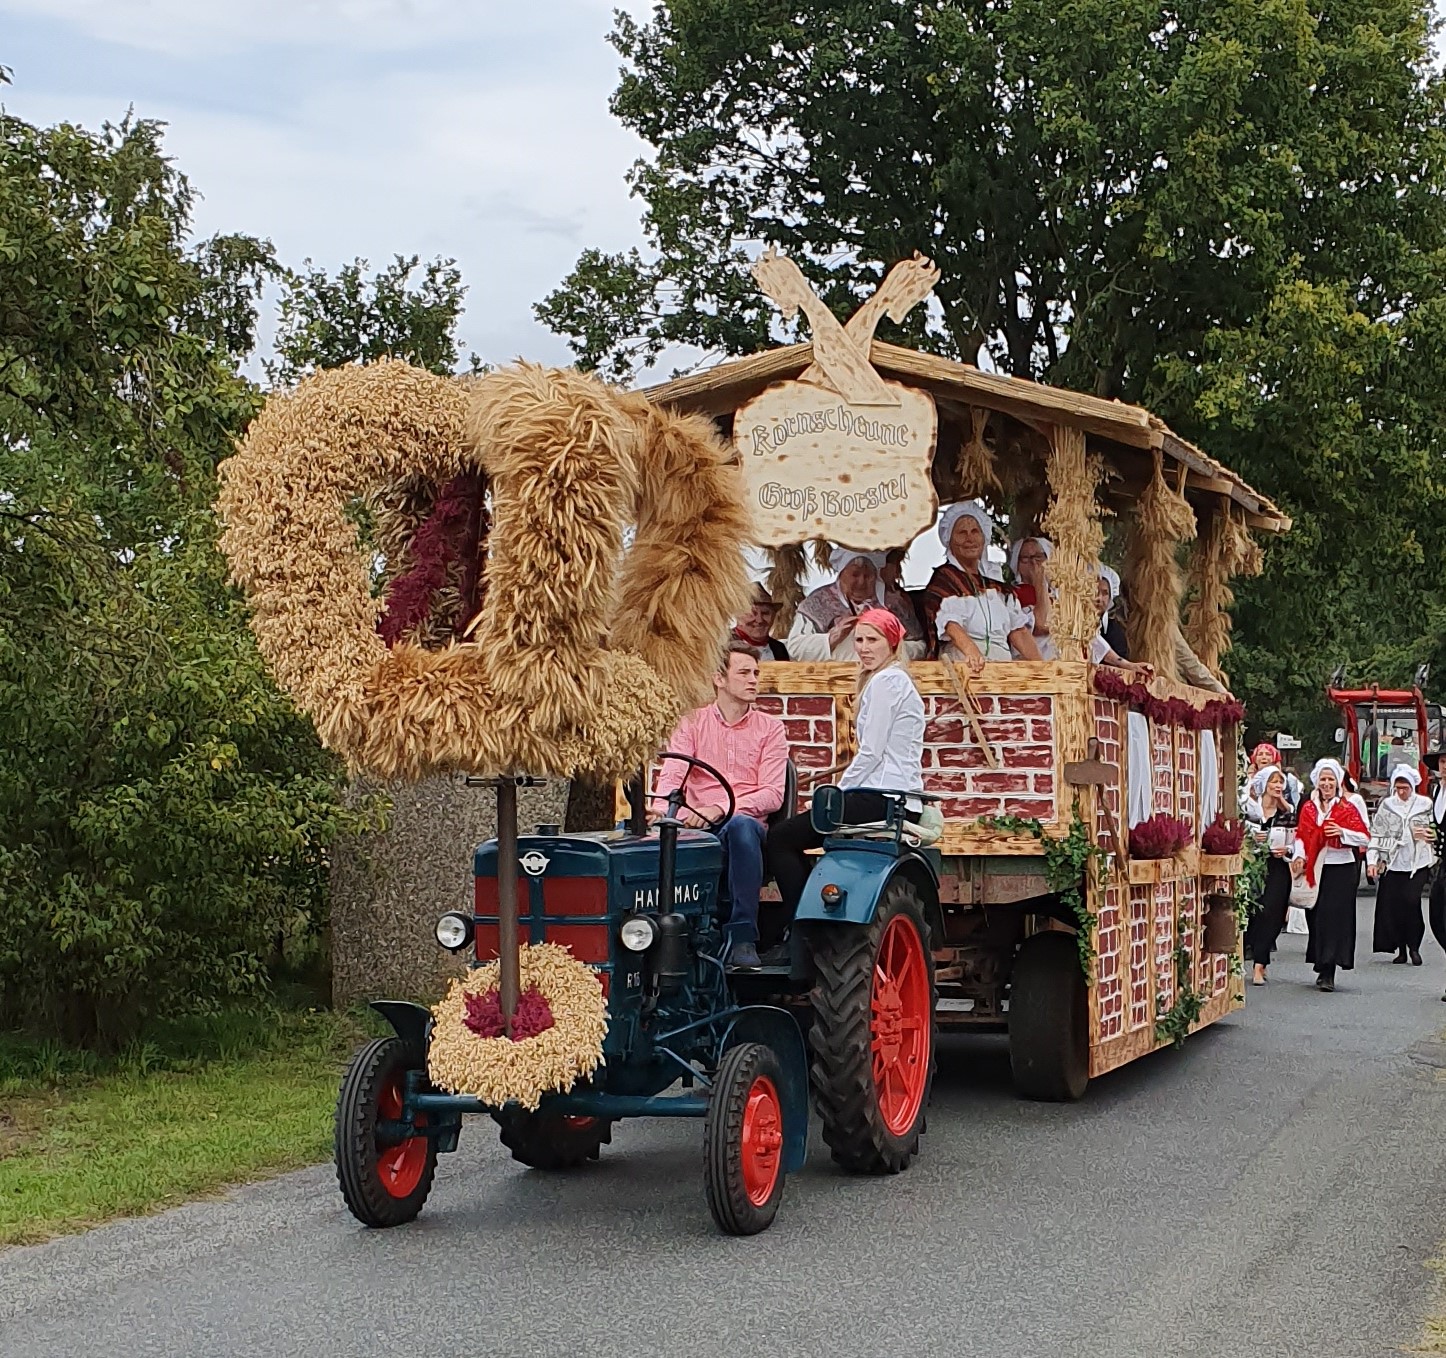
x,y
743,1140
384,1181
1049,1039
873,1037
552,1141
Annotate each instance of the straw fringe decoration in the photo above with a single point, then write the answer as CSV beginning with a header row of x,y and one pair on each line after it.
x,y
786,569
539,692
1162,520
1072,523
977,476
498,1070
1226,549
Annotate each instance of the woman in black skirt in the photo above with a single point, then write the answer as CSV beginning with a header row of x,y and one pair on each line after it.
x,y
1402,854
1271,818
1329,831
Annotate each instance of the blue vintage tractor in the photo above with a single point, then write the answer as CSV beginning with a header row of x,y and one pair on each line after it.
x,y
685,1037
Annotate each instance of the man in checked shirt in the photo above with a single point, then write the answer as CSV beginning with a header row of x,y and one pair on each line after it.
x,y
750,749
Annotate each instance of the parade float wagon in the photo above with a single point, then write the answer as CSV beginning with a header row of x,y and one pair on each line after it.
x,y
438,576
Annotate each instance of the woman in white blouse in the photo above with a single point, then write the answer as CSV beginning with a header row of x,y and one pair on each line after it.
x,y
889,731
1402,851
1329,830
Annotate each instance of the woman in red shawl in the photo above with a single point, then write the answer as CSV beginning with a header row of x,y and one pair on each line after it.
x,y
1328,832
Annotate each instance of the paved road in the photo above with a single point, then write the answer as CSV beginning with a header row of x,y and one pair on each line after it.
x,y
1274,1189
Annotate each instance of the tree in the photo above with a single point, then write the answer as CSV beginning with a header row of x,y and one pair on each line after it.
x,y
164,812
1192,207
326,322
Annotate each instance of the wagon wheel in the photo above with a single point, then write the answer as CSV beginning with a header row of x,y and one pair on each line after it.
x,y
552,1140
743,1140
1049,1041
383,1165
873,1035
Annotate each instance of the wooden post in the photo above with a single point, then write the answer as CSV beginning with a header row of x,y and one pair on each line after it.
x,y
507,898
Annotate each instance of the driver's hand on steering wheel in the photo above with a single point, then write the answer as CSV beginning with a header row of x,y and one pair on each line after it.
x,y
701,818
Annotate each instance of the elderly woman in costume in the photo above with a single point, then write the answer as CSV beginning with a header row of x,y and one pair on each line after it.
x,y
1028,560
890,751
1270,815
824,625
1329,829
756,626
1401,853
975,616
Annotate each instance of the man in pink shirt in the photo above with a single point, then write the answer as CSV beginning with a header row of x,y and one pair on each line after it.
x,y
750,749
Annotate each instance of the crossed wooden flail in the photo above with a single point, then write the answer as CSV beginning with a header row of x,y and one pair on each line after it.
x,y
841,352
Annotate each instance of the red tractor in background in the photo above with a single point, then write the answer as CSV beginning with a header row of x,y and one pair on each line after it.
x,y
1382,728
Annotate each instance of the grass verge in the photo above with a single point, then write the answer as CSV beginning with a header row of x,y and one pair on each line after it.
x,y
193,1107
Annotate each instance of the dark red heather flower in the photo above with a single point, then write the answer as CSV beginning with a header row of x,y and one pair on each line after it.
x,y
533,1016
1223,836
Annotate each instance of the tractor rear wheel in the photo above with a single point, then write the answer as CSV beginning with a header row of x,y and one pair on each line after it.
x,y
743,1140
552,1140
873,1034
1049,1040
384,1166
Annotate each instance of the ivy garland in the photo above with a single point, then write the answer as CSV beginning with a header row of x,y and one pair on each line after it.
x,y
1174,1025
1067,864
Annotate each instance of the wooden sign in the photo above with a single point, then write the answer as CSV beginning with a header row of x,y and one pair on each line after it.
x,y
817,467
840,454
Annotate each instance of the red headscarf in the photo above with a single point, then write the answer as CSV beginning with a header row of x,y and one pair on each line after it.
x,y
1269,748
885,623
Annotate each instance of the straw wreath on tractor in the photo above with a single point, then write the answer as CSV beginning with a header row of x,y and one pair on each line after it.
x,y
576,659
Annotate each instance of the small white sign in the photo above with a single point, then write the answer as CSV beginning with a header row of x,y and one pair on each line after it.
x,y
1285,742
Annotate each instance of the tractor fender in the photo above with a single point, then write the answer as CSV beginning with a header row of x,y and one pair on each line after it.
x,y
864,874
778,1029
411,1022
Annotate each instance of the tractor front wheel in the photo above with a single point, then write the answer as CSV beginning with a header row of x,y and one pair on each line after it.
x,y
873,1033
552,1140
383,1165
743,1140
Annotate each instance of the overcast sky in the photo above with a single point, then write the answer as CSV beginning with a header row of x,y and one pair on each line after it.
x,y
474,129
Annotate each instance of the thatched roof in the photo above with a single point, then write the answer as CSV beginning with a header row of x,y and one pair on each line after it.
x,y
1125,435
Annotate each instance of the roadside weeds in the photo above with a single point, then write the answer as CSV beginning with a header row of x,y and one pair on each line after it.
x,y
209,1104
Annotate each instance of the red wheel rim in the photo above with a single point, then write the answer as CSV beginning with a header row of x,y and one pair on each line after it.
x,y
762,1141
399,1167
901,1024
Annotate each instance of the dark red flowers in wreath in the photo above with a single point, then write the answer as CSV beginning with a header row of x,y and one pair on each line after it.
x,y
533,1014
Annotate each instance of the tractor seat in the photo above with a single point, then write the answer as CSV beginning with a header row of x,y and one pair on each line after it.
x,y
790,796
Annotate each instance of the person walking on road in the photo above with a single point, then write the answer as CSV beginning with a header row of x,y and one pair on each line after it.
x,y
1328,832
1436,909
1271,816
1401,854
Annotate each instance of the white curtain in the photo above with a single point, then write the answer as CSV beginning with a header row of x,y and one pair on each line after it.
x,y
1142,775
1209,779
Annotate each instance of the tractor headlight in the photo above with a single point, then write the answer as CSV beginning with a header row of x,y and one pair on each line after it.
x,y
638,932
454,931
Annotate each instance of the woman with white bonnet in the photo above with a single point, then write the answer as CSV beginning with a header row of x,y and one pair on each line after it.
x,y
1107,596
1402,854
973,613
824,625
1329,829
1028,560
1271,815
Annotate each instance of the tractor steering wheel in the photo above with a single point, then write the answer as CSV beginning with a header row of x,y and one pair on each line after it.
x,y
677,801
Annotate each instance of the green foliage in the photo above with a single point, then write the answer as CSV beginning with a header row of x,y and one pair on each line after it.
x,y
1068,864
326,322
164,813
1175,1023
1232,213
